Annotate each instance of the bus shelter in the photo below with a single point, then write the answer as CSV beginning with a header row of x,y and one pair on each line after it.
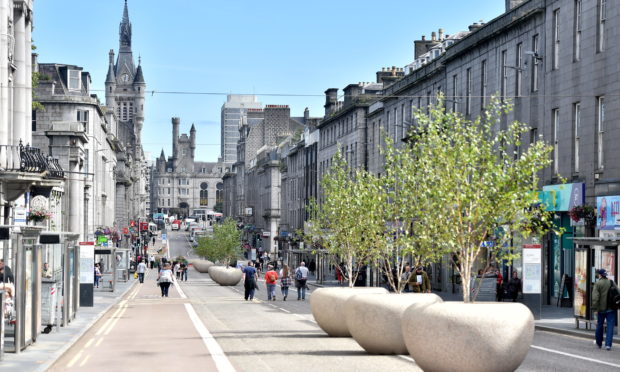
x,y
591,254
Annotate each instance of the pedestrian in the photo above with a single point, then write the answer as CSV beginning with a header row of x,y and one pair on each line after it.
x,y
153,241
285,281
97,275
604,311
404,279
514,286
6,275
271,279
152,261
419,282
177,270
339,276
141,269
164,279
312,267
249,280
301,276
184,272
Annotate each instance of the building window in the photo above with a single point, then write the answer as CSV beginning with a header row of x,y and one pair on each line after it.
x,y
468,92
533,136
73,79
577,32
535,63
455,81
576,129
428,102
82,117
483,85
34,120
602,15
519,69
556,39
504,72
168,202
555,117
600,128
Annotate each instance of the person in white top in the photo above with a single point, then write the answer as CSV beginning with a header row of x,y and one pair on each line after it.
x,y
141,269
177,270
301,276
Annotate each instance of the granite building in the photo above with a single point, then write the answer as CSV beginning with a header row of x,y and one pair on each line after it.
x,y
75,127
182,186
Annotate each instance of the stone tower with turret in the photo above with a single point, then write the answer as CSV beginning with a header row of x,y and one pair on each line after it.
x,y
125,88
124,93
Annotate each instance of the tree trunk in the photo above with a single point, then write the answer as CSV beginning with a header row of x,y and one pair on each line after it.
x,y
350,270
465,283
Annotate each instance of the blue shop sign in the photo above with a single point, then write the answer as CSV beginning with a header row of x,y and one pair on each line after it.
x,y
564,197
608,212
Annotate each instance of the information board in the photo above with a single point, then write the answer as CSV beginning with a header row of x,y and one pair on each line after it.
x,y
87,264
532,268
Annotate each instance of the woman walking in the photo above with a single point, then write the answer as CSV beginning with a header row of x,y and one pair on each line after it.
x,y
164,279
285,280
97,275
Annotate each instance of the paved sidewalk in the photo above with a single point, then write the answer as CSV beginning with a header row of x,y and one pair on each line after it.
x,y
49,347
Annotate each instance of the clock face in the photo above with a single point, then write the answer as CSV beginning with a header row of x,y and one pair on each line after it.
x,y
125,77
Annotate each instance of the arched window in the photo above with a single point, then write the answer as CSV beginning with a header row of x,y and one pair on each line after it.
x,y
204,193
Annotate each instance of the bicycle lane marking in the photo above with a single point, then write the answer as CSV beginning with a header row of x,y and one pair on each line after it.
x,y
221,360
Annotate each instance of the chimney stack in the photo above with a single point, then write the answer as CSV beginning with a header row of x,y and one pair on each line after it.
x,y
511,4
331,99
441,34
433,36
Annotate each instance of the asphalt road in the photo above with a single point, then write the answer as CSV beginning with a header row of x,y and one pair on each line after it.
x,y
272,321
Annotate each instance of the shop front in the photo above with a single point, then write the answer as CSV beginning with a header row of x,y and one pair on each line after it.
x,y
558,250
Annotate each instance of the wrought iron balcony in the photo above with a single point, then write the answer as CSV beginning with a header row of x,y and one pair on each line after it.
x,y
28,159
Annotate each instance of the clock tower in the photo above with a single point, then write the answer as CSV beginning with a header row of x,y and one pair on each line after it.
x,y
125,91
125,87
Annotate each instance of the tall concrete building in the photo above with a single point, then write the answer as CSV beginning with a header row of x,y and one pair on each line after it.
x,y
233,112
124,92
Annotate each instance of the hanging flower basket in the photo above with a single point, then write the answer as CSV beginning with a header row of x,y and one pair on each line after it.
x,y
39,215
585,212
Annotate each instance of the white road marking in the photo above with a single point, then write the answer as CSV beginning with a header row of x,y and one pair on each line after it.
x,y
221,361
286,311
89,343
99,342
74,360
575,356
179,290
85,360
111,319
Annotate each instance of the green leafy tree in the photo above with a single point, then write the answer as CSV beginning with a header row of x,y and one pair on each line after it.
x,y
347,222
472,179
224,245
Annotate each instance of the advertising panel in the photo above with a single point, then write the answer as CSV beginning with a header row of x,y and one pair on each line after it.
x,y
532,268
608,212
562,198
581,282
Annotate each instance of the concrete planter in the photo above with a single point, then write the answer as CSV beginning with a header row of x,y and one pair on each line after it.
x,y
468,337
225,275
202,266
374,320
328,307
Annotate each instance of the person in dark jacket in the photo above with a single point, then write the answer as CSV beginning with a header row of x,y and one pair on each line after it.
x,y
419,282
604,312
514,286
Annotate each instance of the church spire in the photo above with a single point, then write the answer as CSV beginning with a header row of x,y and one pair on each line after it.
x,y
125,30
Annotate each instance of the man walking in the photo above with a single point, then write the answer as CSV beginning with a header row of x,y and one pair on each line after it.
x,y
301,276
604,310
249,280
141,269
271,279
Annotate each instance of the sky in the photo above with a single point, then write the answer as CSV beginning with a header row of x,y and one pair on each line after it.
x,y
287,52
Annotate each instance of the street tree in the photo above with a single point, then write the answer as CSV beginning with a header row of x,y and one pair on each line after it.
x,y
224,245
472,179
347,220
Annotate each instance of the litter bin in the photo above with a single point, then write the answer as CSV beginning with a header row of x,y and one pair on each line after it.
x,y
49,302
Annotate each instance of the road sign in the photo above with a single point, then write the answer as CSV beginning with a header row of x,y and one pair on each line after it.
x,y
164,237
